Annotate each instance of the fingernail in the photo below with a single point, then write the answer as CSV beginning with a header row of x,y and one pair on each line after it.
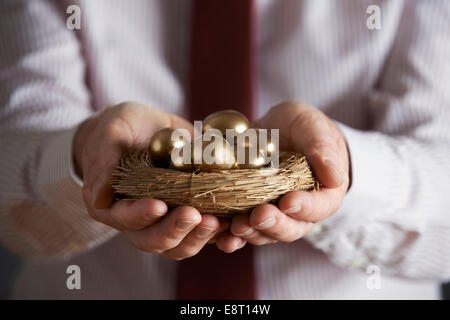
x,y
294,209
156,213
266,224
160,210
248,232
151,216
183,225
239,245
203,232
337,173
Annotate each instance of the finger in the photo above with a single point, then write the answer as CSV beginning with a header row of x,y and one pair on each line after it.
x,y
121,127
168,232
100,157
196,239
131,215
146,120
319,145
310,132
240,227
180,123
311,206
224,224
268,219
228,242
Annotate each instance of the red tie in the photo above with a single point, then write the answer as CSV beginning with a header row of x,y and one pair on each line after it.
x,y
221,77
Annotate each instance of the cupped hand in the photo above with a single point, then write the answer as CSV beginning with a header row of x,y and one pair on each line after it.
x,y
305,129
148,223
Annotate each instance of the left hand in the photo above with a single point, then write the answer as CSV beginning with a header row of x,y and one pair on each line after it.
x,y
305,129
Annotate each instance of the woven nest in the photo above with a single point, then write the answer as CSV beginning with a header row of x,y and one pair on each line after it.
x,y
222,193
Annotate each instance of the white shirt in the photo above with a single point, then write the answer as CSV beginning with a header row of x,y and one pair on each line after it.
x,y
387,89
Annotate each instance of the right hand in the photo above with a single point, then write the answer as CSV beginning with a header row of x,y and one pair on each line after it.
x,y
98,145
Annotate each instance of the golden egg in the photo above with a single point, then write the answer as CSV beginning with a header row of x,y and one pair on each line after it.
x,y
178,163
161,146
268,144
212,154
253,148
261,137
253,159
227,119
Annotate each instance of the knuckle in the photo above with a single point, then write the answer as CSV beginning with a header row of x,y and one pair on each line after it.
x,y
121,218
309,118
115,126
308,209
191,250
320,146
167,242
173,257
150,246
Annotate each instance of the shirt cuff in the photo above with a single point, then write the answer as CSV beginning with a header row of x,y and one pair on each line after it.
x,y
372,167
61,189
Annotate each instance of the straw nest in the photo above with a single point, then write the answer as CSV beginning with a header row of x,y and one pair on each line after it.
x,y
222,193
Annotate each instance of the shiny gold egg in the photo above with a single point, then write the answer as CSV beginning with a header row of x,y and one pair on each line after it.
x,y
178,163
213,155
268,144
226,119
253,148
259,137
254,159
161,146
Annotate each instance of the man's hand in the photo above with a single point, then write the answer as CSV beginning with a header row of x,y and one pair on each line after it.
x,y
98,145
305,129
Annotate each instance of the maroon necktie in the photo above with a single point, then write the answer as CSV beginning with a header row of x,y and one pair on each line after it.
x,y
221,77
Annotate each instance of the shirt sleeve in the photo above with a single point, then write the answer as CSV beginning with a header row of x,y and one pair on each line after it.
x,y
396,214
43,98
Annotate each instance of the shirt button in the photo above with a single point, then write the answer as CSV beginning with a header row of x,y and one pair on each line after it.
x,y
74,246
316,229
356,263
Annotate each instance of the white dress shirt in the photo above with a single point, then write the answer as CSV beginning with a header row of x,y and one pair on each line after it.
x,y
388,90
